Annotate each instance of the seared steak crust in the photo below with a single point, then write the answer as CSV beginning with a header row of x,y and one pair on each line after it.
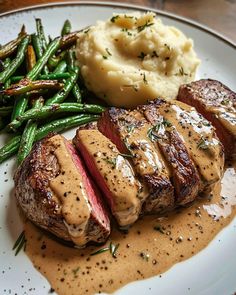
x,y
217,103
184,173
36,198
128,130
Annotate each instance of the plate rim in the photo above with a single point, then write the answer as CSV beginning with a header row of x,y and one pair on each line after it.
x,y
186,20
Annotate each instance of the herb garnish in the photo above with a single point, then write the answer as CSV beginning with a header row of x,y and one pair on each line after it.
x,y
105,57
154,54
126,155
181,72
114,18
75,271
147,24
142,55
108,52
202,144
20,243
159,228
152,132
111,161
225,102
130,128
144,79
112,248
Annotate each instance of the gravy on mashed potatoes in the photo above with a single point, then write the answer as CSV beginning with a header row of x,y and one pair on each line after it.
x,y
133,58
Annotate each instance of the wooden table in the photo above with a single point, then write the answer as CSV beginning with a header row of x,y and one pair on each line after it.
x,y
220,15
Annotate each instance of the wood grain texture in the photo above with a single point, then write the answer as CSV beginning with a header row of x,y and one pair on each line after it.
x,y
219,15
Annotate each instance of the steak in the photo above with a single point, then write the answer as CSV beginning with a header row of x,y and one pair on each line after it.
x,y
128,131
54,191
217,103
198,139
114,174
163,134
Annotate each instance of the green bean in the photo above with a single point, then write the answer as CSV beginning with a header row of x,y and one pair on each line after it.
x,y
60,125
48,111
61,67
20,105
51,76
51,49
64,124
54,60
28,136
22,101
11,46
5,111
66,28
77,94
38,50
30,58
61,95
71,65
10,148
40,32
27,85
16,62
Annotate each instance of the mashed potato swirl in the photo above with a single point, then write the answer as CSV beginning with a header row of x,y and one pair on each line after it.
x,y
133,58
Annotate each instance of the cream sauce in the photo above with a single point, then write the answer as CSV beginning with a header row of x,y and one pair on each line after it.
x,y
151,247
147,157
69,188
117,174
198,135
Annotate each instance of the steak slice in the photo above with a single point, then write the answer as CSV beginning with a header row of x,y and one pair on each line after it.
x,y
54,191
113,173
217,103
163,134
128,131
199,138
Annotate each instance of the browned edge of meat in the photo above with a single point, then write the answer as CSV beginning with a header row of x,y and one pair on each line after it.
x,y
126,130
185,175
112,172
214,101
37,200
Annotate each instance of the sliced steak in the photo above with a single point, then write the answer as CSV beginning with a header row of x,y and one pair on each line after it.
x,y
199,138
217,103
113,173
53,189
163,134
128,131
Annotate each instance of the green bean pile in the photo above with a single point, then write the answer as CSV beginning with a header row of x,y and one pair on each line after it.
x,y
40,85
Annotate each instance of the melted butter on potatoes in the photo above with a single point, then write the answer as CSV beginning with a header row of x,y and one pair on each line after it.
x,y
133,58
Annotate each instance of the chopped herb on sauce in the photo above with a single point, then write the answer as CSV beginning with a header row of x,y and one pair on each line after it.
x,y
159,228
113,249
75,270
130,128
20,243
111,161
152,132
202,144
126,155
102,250
144,79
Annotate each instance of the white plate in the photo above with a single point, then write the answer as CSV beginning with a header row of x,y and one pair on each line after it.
x,y
212,271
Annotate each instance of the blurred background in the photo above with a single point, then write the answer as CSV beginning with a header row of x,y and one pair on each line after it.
x,y
219,15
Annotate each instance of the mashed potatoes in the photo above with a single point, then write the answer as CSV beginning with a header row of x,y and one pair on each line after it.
x,y
133,58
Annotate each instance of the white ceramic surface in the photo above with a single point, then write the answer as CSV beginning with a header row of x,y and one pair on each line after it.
x,y
212,271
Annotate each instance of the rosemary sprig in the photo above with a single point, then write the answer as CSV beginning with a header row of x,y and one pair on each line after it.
x,y
126,155
102,250
152,132
147,24
112,248
20,243
111,161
